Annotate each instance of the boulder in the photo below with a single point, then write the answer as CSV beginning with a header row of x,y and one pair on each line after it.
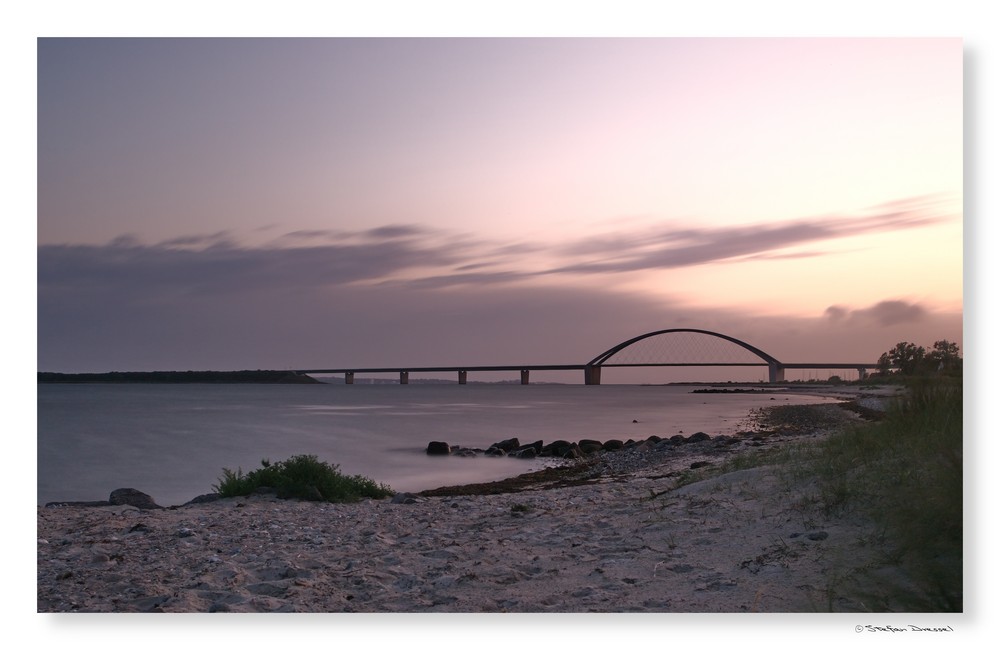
x,y
536,446
555,448
590,446
526,452
508,445
133,497
701,436
613,445
204,498
437,448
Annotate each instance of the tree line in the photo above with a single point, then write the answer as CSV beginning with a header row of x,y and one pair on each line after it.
x,y
911,359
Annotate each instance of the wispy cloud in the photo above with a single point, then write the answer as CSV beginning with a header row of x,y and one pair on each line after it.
x,y
885,313
397,231
670,248
222,238
424,258
217,268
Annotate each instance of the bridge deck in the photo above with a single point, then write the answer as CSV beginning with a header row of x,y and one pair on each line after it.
x,y
574,366
339,371
592,370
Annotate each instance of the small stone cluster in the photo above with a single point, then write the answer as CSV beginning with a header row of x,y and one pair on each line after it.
x,y
513,448
129,497
119,497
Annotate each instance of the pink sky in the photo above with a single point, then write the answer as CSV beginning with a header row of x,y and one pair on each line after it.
x,y
434,201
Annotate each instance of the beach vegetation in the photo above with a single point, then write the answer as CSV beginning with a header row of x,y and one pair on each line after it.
x,y
900,474
302,477
904,473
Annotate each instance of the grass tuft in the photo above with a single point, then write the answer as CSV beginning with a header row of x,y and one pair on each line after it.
x,y
301,477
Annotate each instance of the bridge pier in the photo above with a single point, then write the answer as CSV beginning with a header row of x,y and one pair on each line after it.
x,y
775,372
592,375
862,373
524,377
404,377
348,377
463,376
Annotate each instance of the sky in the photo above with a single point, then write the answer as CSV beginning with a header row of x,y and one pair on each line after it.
x,y
231,203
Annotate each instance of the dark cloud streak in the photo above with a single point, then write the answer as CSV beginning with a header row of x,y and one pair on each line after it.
x,y
885,313
669,249
146,269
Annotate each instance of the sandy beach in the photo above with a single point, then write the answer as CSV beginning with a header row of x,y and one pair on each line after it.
x,y
616,535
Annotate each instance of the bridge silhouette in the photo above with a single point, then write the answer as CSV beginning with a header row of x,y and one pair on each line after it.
x,y
628,354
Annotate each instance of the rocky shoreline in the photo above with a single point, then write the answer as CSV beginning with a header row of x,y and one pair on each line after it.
x,y
619,531
614,459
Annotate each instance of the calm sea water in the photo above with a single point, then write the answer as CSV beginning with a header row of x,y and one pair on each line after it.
x,y
172,441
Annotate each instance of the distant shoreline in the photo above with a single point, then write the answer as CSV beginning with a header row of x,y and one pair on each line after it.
x,y
179,377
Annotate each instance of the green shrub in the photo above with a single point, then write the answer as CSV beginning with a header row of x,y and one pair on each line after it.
x,y
301,477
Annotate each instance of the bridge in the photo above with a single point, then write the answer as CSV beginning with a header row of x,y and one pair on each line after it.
x,y
686,348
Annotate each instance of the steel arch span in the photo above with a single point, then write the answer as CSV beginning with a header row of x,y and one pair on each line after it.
x,y
593,369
